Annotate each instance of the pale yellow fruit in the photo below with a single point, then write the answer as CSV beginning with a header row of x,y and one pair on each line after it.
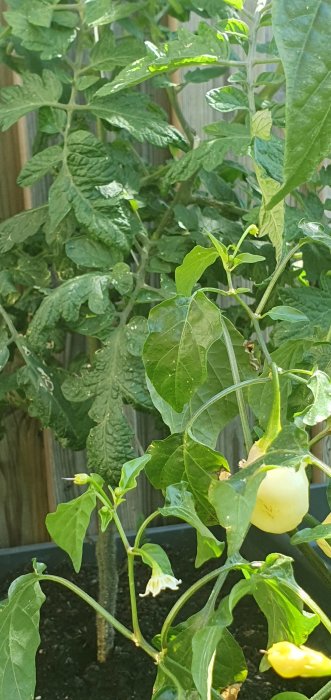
x,y
323,544
282,500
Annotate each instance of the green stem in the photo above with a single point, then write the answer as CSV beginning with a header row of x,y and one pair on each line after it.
x,y
310,603
247,231
183,600
224,207
277,273
324,693
173,99
257,329
211,602
320,436
236,379
274,423
143,528
121,533
222,394
90,601
323,467
13,332
133,600
250,64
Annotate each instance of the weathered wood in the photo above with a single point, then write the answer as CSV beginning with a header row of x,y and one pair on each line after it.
x,y
23,489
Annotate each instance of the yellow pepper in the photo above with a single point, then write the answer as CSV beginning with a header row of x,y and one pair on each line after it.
x,y
290,661
323,544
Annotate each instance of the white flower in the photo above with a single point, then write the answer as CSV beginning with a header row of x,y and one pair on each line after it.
x,y
159,581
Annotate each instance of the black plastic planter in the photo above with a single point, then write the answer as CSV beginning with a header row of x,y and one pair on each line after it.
x,y
182,538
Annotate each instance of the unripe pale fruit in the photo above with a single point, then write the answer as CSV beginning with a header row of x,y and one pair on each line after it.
x,y
282,500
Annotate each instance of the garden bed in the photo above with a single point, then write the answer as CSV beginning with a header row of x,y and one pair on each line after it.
x,y
67,667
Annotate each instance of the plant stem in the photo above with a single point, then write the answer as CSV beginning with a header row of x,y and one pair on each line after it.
x,y
274,425
257,329
222,394
121,532
323,467
324,693
250,64
90,601
173,99
143,528
309,602
320,436
211,602
274,279
183,600
236,379
133,600
247,231
138,637
224,207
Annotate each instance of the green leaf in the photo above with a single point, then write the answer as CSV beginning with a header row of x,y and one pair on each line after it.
x,y
158,556
19,638
86,185
289,355
227,99
108,54
39,165
320,409
234,501
31,21
281,604
286,313
261,124
175,353
315,232
36,91
246,259
312,534
188,50
217,660
130,472
68,525
99,12
269,155
193,266
271,222
204,644
64,303
315,303
136,113
116,378
46,402
300,30
179,458
86,252
288,449
20,227
180,504
210,154
210,423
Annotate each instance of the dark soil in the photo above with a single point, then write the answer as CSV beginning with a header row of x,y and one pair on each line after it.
x,y
66,663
